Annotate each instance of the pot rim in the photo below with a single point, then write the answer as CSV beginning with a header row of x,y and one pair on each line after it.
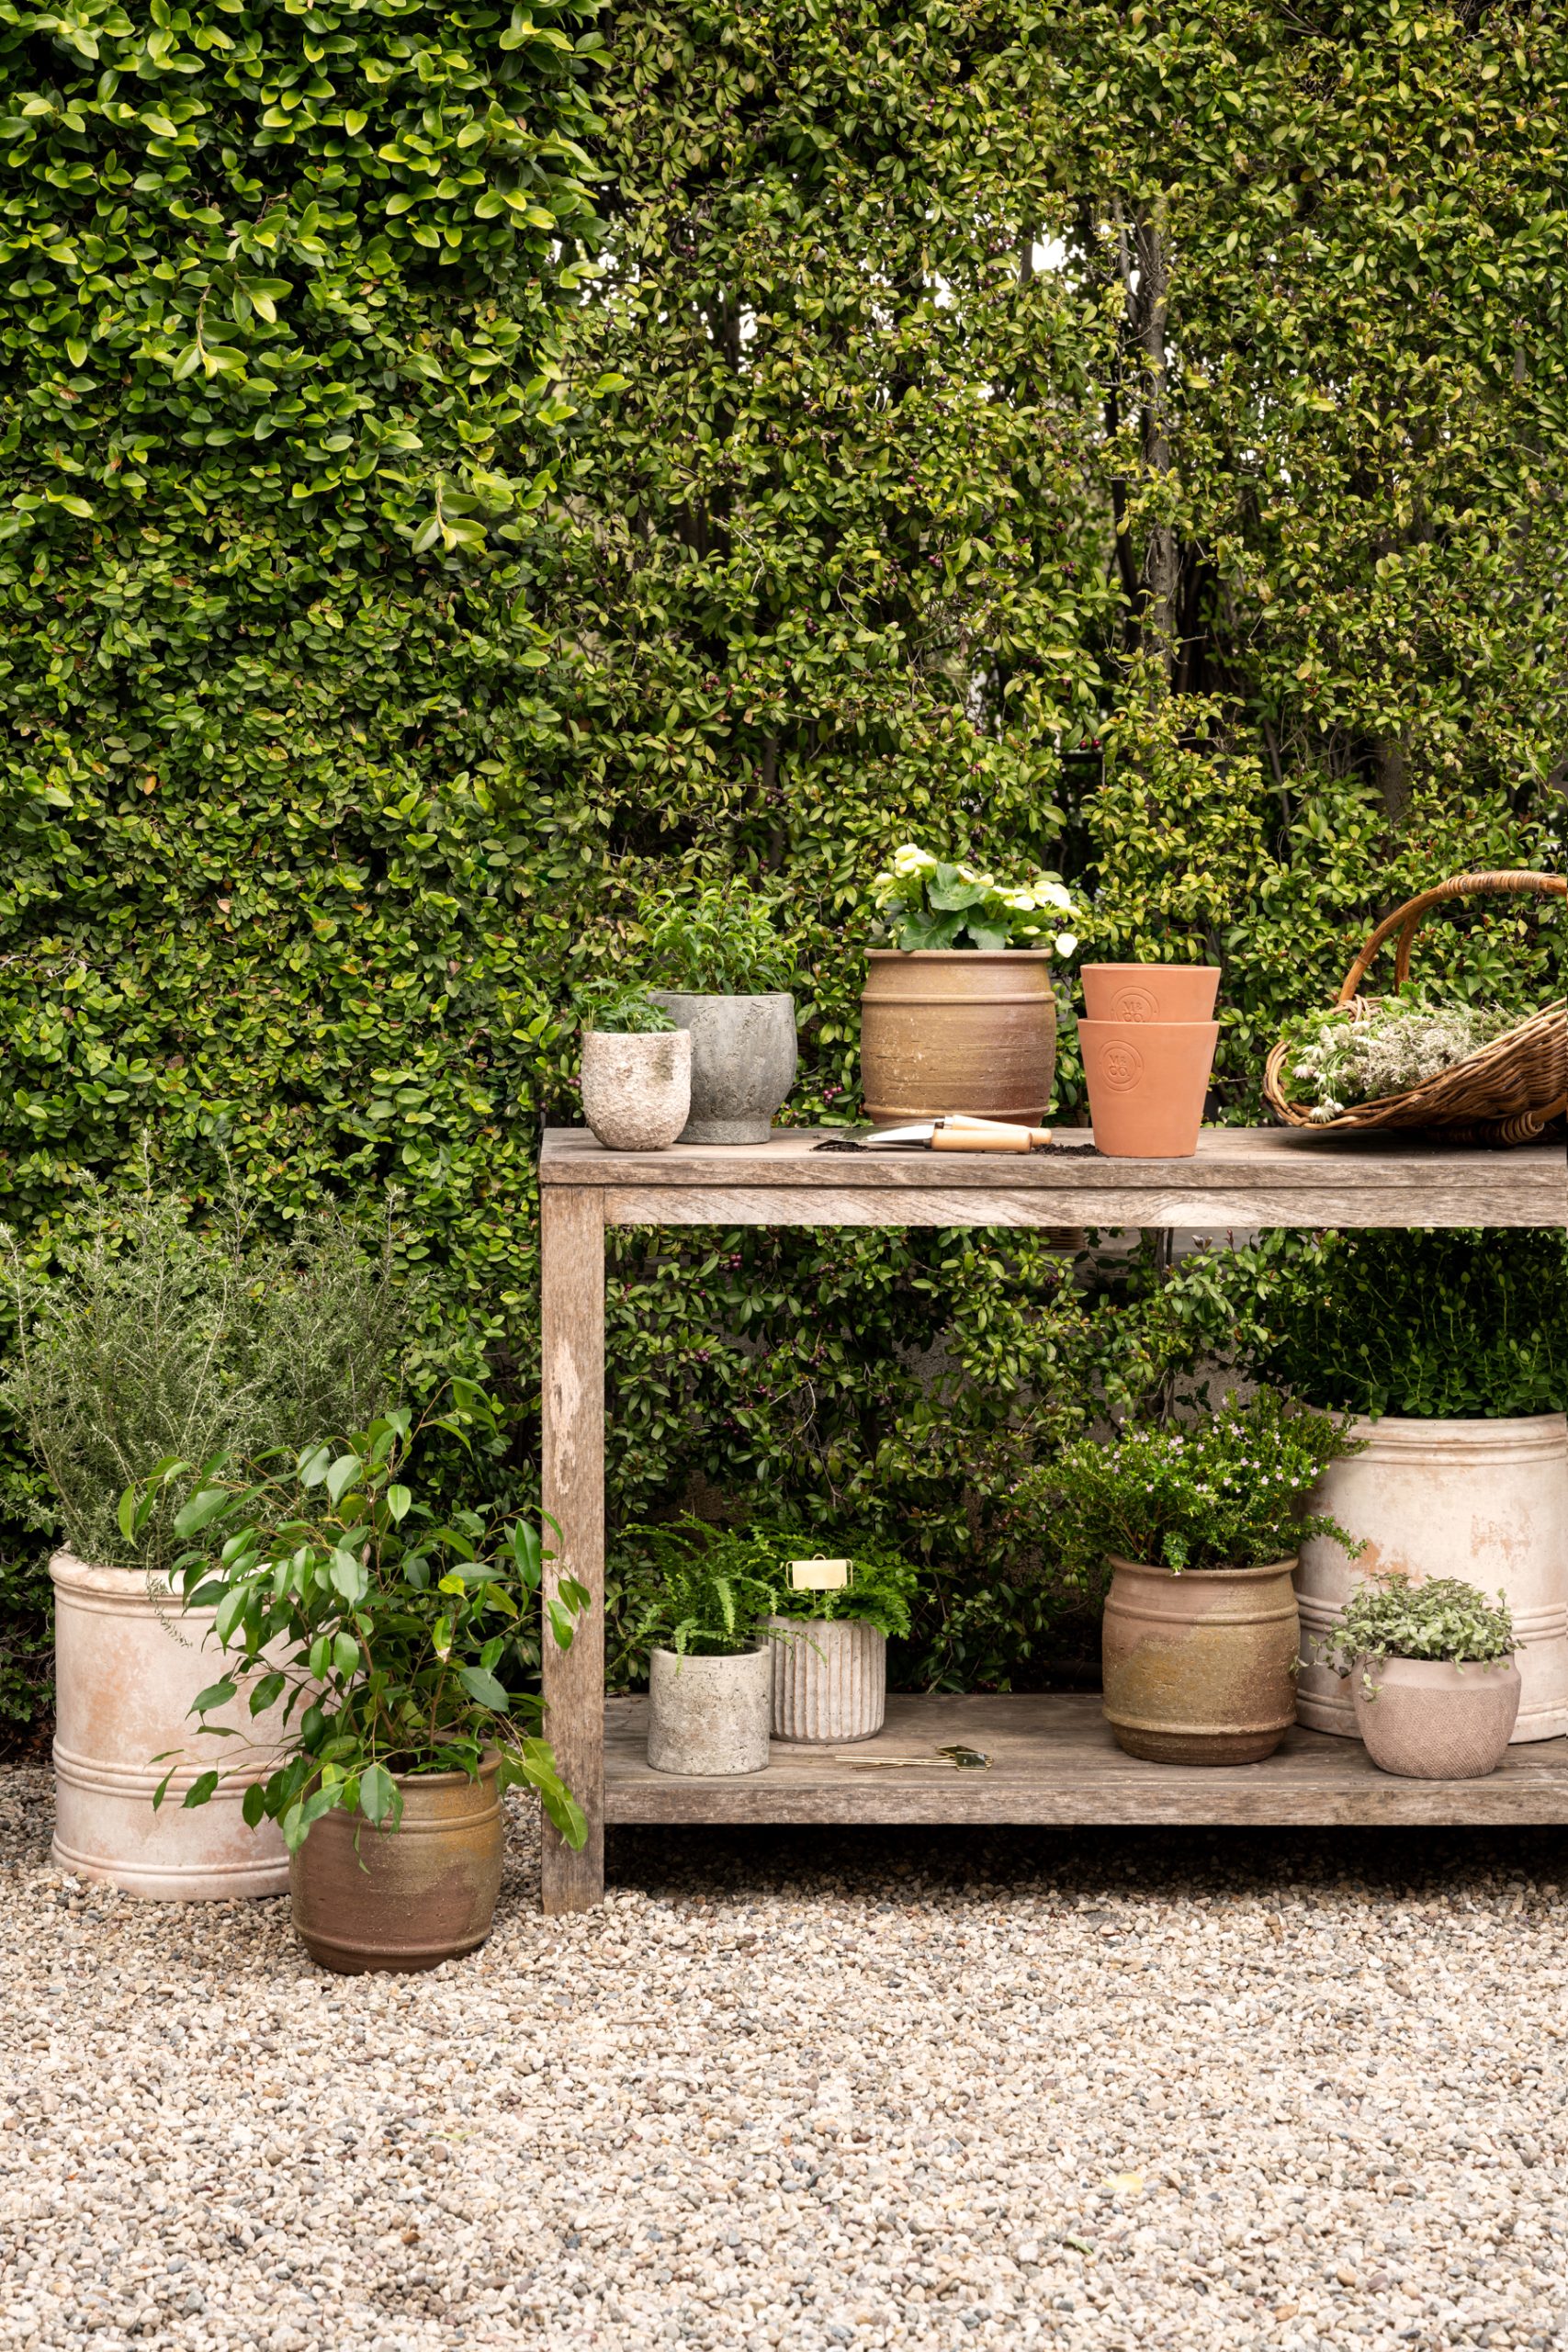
x,y
489,1764
1443,1665
717,1657
1406,1424
719,996
963,955
1151,967
1147,1028
1205,1576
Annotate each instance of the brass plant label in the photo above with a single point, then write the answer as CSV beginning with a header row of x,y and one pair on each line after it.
x,y
818,1576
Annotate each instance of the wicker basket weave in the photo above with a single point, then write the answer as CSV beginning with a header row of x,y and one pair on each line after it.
x,y
1509,1091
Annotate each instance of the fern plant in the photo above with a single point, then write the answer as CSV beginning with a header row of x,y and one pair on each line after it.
x,y
707,1593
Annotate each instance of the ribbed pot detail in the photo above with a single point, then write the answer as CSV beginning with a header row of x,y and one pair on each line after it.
x,y
1199,1666
829,1681
956,1029
395,1901
1485,1501
127,1666
1432,1720
708,1716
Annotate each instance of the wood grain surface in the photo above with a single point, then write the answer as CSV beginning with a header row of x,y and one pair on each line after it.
x,y
573,1307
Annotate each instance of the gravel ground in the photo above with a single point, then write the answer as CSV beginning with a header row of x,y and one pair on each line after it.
x,y
789,2091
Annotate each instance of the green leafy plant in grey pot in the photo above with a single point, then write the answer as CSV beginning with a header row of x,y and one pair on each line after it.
x,y
709,1675
724,975
636,1069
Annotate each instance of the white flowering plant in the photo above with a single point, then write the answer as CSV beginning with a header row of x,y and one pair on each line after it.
x,y
929,902
1377,1046
1228,1491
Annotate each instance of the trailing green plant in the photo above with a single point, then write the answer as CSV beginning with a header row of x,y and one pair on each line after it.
x,y
703,1591
1377,1046
622,1008
1443,1619
151,1335
378,1623
1229,1490
929,902
719,941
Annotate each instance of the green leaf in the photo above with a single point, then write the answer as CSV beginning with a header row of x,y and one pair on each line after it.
x,y
399,1503
201,1511
199,1790
267,1692
253,1807
342,1475
217,1694
377,1793
482,1686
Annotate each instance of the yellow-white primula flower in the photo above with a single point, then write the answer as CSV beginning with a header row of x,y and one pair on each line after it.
x,y
1066,943
910,862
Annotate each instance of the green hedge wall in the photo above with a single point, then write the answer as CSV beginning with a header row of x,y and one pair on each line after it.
x,y
459,479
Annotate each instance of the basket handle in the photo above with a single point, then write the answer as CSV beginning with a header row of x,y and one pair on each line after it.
x,y
1405,919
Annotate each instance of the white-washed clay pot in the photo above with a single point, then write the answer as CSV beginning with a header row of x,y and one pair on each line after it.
x,y
709,1715
126,1668
1432,1720
829,1681
1485,1501
637,1091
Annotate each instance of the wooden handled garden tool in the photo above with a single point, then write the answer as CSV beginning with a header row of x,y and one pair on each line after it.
x,y
959,1132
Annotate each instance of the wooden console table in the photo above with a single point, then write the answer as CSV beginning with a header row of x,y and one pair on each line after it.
x,y
1054,1758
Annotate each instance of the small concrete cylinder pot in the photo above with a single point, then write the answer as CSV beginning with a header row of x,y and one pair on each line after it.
x,y
127,1666
1432,1721
1484,1502
637,1091
709,1715
395,1901
1200,1668
743,1062
829,1681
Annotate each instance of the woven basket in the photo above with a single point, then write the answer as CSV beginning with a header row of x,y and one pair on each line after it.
x,y
1507,1092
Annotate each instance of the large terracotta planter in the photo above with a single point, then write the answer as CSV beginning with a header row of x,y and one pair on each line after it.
x,y
127,1666
957,1029
744,1053
1150,991
637,1091
1146,1084
829,1681
1484,1502
709,1716
396,1901
1199,1668
1430,1721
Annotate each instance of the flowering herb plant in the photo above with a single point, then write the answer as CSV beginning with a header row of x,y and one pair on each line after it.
x,y
1443,1619
1229,1491
929,903
1377,1046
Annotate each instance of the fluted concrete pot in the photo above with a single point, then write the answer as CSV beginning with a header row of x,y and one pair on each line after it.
x,y
1484,1502
127,1666
1432,1720
708,1716
637,1091
743,1062
829,1681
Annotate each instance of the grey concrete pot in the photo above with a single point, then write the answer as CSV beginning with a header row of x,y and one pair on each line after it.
x,y
709,1715
637,1091
829,1681
743,1062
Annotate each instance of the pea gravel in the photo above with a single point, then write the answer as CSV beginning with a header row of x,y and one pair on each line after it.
x,y
795,2091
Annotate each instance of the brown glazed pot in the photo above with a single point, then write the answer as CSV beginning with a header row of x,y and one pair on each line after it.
x,y
1150,991
958,1029
1146,1082
1432,1720
1199,1668
411,1896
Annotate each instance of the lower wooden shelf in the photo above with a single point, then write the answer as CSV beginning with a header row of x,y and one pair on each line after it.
x,y
1054,1761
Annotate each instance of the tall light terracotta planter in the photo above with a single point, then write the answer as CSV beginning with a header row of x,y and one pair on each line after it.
x,y
126,1668
1147,1081
829,1681
1199,1666
1485,1501
958,1029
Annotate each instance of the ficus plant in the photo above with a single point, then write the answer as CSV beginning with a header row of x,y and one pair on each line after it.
x,y
381,1626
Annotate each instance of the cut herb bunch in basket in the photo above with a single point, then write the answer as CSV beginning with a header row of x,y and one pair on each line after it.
x,y
1379,1045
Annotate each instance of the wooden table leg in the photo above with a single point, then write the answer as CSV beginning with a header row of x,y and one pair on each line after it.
x,y
572,1303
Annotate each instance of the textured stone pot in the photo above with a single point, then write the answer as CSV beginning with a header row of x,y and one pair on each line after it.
x,y
637,1091
829,1681
1199,1668
958,1029
127,1666
1150,991
709,1715
743,1062
399,1900
1430,1721
1484,1502
1146,1083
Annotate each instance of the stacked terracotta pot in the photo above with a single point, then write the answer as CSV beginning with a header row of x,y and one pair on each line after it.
x,y
1149,1036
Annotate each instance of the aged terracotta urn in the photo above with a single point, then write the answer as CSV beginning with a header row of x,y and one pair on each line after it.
x,y
958,1029
396,1901
1200,1668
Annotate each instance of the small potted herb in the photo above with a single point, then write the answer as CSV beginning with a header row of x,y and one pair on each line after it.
x,y
724,974
376,1627
637,1067
1201,1526
709,1678
830,1638
959,1012
1433,1676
